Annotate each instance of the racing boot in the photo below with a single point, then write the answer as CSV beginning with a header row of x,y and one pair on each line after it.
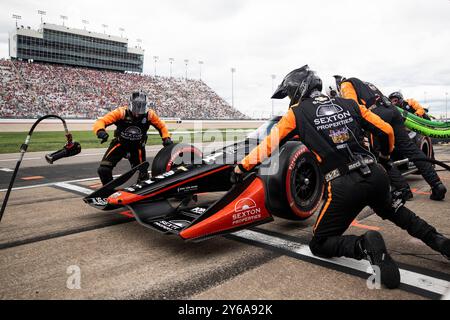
x,y
372,246
438,192
439,243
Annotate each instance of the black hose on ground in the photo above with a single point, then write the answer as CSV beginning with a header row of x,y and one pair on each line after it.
x,y
433,161
23,150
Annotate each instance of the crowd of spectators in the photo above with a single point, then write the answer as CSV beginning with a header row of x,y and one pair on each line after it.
x,y
29,90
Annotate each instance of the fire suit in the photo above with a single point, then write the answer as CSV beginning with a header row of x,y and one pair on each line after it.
x,y
367,95
413,106
129,140
332,128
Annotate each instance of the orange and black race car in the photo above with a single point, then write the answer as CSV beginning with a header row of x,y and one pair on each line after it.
x,y
288,185
180,174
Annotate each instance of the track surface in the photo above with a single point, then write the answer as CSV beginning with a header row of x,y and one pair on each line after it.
x,y
47,230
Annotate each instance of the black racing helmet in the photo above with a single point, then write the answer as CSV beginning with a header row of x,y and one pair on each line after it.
x,y
138,103
397,96
298,84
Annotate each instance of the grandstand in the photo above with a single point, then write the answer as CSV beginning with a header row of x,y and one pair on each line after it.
x,y
74,47
28,90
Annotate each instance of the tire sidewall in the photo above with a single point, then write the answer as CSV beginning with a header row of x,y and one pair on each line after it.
x,y
303,210
167,157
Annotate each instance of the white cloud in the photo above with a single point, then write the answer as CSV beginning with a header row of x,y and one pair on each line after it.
x,y
394,44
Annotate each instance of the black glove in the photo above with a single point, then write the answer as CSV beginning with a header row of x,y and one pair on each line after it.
x,y
103,135
426,117
237,177
167,142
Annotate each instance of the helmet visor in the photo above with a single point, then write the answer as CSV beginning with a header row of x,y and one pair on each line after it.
x,y
280,93
138,105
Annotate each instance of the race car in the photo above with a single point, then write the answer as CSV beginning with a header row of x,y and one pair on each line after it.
x,y
288,185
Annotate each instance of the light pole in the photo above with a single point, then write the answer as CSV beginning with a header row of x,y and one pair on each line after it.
x,y
155,58
42,13
63,18
17,18
446,105
105,26
233,70
171,60
85,22
200,63
273,103
186,61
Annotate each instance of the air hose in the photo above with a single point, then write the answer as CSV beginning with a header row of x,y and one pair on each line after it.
x,y
70,149
437,133
432,129
424,122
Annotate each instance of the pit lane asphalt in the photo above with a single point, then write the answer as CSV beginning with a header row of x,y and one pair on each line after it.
x,y
47,230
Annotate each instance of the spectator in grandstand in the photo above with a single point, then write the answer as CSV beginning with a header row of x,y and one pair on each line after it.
x,y
130,136
33,89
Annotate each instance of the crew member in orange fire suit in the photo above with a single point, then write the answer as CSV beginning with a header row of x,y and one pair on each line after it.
x,y
130,136
332,128
409,105
369,96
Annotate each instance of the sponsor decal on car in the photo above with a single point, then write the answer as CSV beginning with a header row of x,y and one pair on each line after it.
x,y
165,175
99,201
116,195
166,226
246,211
198,210
187,189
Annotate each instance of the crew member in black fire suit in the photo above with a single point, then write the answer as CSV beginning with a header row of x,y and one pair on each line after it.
x,y
409,105
130,136
332,128
369,96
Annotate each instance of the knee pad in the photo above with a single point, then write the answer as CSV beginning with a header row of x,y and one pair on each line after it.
x,y
315,246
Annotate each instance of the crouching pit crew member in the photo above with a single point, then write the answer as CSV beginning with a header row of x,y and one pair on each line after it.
x,y
332,128
369,96
130,136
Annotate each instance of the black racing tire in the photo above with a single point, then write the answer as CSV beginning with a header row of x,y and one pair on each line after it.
x,y
175,155
426,145
296,191
304,183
